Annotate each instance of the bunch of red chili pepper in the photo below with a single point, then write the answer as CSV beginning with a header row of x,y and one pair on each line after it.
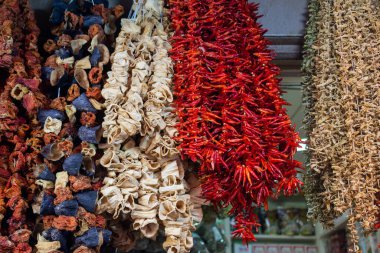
x,y
19,101
228,100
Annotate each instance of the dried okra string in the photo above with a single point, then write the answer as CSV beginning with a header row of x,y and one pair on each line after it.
x,y
146,178
231,115
322,133
313,184
79,48
19,101
343,141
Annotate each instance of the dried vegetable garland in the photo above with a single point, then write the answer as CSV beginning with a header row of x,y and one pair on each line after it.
x,y
19,100
312,182
9,11
70,127
145,182
343,142
231,114
321,84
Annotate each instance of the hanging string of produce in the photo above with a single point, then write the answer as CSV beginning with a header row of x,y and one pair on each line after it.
x,y
70,127
231,115
19,100
146,183
312,182
319,120
343,142
9,11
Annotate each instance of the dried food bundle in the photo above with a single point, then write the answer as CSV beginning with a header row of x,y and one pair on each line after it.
x,y
70,132
320,81
19,101
146,179
231,114
344,107
9,10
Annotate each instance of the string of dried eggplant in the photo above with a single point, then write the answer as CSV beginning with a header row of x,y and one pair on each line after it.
x,y
79,51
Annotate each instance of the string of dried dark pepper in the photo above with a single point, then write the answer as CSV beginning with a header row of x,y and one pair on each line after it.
x,y
70,127
19,102
228,100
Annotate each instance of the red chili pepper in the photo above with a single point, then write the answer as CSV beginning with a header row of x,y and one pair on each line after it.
x,y
228,101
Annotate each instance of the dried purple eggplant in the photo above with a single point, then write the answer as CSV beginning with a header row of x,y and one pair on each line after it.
x,y
47,205
95,57
53,234
82,103
46,72
52,152
63,53
72,164
87,200
90,238
67,208
90,134
55,114
106,235
46,174
92,19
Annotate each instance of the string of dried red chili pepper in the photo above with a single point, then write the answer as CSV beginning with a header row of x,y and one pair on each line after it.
x,y
19,102
229,104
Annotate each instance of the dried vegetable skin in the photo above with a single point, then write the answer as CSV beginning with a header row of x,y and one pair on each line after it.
x,y
69,174
146,179
19,100
228,102
347,102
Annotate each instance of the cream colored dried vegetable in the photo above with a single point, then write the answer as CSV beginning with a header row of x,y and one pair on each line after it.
x,y
146,178
343,114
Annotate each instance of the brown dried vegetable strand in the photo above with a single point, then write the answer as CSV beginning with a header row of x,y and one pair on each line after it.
x,y
343,138
312,182
357,43
321,134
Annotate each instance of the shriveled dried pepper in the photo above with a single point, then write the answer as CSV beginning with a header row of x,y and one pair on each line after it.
x,y
228,100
